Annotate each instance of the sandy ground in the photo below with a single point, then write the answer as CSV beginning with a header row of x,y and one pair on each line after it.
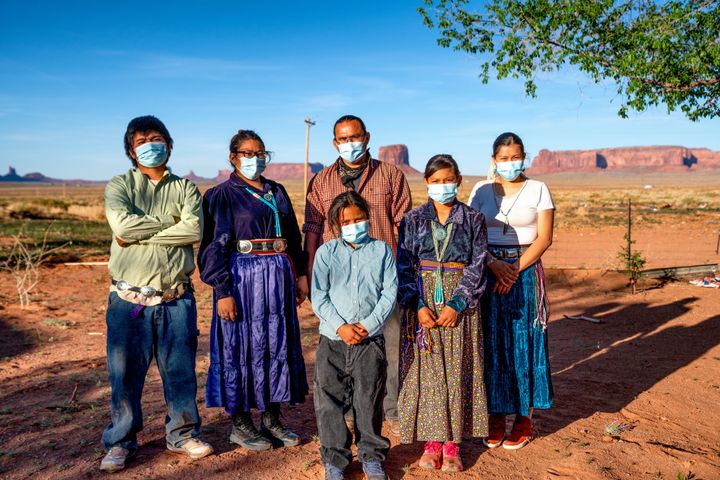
x,y
653,363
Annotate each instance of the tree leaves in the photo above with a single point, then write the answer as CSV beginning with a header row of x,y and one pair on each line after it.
x,y
665,52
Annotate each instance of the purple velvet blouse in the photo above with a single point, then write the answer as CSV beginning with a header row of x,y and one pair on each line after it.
x,y
231,214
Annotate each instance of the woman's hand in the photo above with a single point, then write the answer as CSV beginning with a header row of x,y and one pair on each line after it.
x,y
505,274
226,309
448,317
301,290
426,318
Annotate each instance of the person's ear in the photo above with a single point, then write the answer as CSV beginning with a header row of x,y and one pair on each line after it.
x,y
233,160
367,138
459,180
335,144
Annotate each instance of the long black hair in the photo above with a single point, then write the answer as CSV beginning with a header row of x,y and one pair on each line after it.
x,y
505,139
344,200
440,162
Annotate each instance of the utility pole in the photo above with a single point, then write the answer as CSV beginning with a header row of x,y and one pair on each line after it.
x,y
308,123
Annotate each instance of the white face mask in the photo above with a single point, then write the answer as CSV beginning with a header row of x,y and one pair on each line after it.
x,y
351,152
252,167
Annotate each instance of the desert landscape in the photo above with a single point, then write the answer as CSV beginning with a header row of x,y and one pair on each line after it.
x,y
636,393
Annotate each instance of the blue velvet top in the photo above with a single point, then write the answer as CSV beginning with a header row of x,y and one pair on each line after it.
x,y
467,245
232,214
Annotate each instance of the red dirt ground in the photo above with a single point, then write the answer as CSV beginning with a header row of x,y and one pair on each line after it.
x,y
654,363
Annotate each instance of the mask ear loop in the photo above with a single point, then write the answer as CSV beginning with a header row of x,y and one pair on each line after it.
x,y
491,170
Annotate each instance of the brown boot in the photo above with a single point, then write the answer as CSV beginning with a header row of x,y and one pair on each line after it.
x,y
520,435
496,435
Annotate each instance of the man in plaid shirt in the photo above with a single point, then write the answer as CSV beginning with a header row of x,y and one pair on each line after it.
x,y
387,192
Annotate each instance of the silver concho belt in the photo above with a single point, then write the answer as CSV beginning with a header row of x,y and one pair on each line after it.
x,y
264,245
167,295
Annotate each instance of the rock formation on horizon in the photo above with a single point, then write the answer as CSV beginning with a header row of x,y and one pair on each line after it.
x,y
274,171
646,159
397,155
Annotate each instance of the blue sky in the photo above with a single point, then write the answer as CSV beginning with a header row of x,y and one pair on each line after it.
x,y
72,74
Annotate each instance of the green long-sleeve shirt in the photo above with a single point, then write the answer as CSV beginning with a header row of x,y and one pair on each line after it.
x,y
139,211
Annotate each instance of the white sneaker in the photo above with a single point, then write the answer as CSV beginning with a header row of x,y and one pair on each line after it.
x,y
115,459
193,448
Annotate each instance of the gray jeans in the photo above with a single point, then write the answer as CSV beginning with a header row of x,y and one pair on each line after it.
x,y
350,378
392,352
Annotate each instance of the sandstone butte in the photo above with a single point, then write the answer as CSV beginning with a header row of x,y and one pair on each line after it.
x,y
646,159
397,155
394,154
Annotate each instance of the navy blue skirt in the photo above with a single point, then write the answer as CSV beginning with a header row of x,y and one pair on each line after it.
x,y
517,363
257,359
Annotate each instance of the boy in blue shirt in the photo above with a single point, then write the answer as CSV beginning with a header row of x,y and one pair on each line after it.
x,y
354,289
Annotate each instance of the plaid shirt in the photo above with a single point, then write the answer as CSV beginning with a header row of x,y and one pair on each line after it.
x,y
382,185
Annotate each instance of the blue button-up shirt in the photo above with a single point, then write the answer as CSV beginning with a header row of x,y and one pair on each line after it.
x,y
353,285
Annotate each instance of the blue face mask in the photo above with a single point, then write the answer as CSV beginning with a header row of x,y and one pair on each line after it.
x,y
356,232
510,170
442,192
151,154
352,152
252,167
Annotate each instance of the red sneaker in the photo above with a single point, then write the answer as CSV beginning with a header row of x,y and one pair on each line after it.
x,y
520,435
431,457
451,458
496,425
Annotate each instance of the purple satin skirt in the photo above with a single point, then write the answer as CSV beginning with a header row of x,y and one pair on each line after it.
x,y
257,359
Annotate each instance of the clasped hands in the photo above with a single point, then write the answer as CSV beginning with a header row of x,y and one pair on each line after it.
x,y
448,317
352,333
506,274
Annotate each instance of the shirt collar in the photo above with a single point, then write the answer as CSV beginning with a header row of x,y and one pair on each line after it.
x,y
142,177
358,246
427,211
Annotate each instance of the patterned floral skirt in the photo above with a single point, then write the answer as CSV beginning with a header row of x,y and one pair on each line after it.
x,y
442,394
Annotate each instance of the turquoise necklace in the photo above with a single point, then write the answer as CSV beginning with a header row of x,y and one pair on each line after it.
x,y
440,234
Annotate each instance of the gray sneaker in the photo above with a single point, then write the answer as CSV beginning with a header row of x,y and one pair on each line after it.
x,y
374,471
193,448
333,473
115,459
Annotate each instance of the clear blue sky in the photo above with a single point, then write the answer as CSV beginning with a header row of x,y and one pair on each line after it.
x,y
72,74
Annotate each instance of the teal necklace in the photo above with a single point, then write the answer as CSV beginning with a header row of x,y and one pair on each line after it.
x,y
440,234
269,200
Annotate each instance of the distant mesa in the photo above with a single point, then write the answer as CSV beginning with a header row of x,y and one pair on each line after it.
x,y
397,155
274,171
631,159
36,177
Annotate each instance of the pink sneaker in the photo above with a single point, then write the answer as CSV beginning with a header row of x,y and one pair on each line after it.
x,y
451,458
431,456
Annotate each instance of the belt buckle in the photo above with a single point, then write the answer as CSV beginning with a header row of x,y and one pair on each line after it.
x,y
148,291
279,245
244,246
169,295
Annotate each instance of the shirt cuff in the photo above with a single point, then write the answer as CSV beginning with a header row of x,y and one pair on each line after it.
x,y
312,228
420,304
457,303
223,291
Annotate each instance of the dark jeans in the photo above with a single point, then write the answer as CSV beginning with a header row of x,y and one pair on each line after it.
x,y
169,332
391,333
350,377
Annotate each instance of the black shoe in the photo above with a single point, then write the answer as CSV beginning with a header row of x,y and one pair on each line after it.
x,y
271,425
246,435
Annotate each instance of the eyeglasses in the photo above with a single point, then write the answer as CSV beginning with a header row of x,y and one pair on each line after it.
x,y
353,138
514,158
249,154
